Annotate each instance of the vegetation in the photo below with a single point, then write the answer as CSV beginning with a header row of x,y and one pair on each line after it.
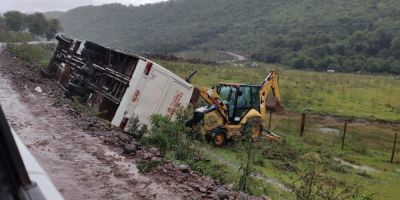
x,y
12,37
35,23
147,165
35,54
339,94
361,35
276,168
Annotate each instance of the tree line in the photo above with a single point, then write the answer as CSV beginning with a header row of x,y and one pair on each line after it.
x,y
349,36
35,23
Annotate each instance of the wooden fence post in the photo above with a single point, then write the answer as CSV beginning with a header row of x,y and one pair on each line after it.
x,y
303,122
344,134
394,148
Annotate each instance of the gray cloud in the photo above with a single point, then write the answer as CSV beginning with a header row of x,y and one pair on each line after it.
x,y
60,5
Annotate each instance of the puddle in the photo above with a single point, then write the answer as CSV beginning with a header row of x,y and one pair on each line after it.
x,y
268,180
365,168
271,181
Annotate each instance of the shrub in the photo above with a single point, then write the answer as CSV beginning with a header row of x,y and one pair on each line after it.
x,y
12,37
31,53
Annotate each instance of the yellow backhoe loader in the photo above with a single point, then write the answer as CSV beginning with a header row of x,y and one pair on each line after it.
x,y
232,106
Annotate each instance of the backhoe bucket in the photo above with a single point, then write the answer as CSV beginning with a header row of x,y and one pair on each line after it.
x,y
269,136
273,104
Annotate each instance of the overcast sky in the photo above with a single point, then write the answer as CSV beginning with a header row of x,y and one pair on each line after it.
x,y
60,5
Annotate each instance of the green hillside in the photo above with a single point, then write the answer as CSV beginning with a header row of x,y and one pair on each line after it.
x,y
357,35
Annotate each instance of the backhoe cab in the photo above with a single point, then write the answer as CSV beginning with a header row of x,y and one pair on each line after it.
x,y
231,107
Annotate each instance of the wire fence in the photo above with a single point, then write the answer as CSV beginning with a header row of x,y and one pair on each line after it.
x,y
367,138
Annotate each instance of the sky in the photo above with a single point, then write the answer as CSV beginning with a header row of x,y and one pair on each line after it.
x,y
60,5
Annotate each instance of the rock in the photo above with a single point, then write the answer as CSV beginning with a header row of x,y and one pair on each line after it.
x,y
147,156
184,168
38,89
243,196
266,198
222,194
123,137
105,133
203,190
179,179
130,148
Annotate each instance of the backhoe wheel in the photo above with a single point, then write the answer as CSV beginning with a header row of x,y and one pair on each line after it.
x,y
218,137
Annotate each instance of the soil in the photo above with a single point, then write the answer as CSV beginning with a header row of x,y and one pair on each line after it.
x,y
82,154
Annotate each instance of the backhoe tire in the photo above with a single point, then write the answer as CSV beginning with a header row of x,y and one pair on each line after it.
x,y
218,137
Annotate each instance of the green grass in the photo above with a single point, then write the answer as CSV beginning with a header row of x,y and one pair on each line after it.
x,y
346,95
11,37
339,94
35,54
355,96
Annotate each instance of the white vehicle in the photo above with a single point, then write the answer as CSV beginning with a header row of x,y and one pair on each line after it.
x,y
122,86
155,91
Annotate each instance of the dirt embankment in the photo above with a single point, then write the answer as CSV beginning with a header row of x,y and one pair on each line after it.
x,y
83,155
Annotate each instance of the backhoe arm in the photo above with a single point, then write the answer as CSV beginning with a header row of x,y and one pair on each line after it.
x,y
211,97
270,83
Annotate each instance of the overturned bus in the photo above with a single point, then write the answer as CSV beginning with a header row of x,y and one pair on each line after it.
x,y
118,85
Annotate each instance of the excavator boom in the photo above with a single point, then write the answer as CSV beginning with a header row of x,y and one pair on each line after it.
x,y
273,102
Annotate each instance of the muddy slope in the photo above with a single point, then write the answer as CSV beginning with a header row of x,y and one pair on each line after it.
x,y
82,154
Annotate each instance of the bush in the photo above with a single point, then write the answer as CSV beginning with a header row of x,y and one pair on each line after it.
x,y
31,53
315,183
169,134
12,37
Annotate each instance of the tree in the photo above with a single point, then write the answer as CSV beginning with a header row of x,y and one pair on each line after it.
x,y
395,47
53,26
37,23
15,21
298,63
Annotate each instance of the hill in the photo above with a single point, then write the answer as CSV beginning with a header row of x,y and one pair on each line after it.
x,y
358,35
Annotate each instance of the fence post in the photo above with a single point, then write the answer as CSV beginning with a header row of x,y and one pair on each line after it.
x,y
270,118
303,122
394,148
344,134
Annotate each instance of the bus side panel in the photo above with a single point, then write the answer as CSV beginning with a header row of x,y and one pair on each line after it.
x,y
151,96
129,94
177,95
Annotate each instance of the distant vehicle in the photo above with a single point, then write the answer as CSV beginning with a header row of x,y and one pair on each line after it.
x,y
330,71
21,176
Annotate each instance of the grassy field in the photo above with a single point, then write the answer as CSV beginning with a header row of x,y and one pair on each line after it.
x,y
10,37
346,96
340,94
36,54
365,158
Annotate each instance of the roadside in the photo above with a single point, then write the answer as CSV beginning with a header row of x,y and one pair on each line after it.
x,y
83,155
79,164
